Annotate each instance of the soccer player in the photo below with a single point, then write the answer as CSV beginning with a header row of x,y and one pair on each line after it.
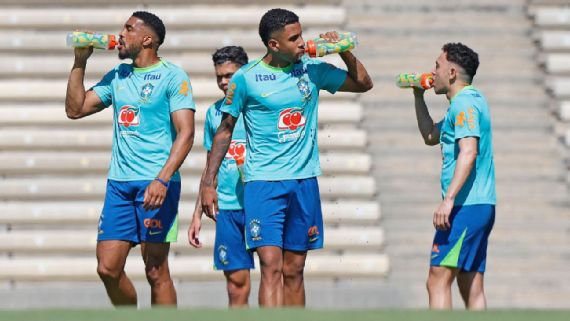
x,y
465,217
277,96
230,253
153,133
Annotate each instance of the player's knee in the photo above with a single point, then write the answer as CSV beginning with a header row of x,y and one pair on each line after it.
x,y
107,273
293,270
156,275
437,281
238,290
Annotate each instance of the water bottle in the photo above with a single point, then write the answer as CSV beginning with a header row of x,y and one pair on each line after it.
x,y
79,39
407,80
319,47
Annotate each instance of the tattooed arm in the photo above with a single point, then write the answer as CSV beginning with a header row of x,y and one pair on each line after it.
x,y
219,149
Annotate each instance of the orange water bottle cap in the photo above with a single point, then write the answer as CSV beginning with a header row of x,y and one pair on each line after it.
x,y
112,42
311,48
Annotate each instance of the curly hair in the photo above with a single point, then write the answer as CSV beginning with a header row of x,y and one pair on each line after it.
x,y
463,56
153,22
234,54
275,20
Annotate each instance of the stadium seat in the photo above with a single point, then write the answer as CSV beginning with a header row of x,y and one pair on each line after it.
x,y
184,268
52,215
15,163
330,112
187,17
16,243
552,17
94,188
101,139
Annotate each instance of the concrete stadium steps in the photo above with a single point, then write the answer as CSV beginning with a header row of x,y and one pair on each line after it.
x,y
16,243
556,63
74,163
196,64
180,17
52,115
187,268
53,215
52,182
54,90
177,41
137,3
90,188
99,139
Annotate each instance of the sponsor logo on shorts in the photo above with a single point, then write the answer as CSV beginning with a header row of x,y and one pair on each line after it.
x,y
435,248
223,254
255,229
152,223
313,233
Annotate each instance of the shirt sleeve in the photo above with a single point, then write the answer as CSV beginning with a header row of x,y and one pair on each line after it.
x,y
236,97
180,92
329,77
209,130
104,88
465,117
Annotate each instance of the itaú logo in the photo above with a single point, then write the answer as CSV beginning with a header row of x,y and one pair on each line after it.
x,y
291,119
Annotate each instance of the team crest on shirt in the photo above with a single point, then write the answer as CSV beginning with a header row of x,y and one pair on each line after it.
x,y
223,254
304,88
146,92
129,116
255,230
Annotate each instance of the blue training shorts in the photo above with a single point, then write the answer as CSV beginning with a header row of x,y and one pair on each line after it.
x,y
124,218
229,248
464,245
286,214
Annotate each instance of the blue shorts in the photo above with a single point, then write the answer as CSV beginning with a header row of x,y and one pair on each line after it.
x,y
464,245
286,214
229,248
124,218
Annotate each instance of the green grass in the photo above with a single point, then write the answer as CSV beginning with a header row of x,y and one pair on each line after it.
x,y
280,315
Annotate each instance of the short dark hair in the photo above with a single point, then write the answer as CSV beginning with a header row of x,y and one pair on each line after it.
x,y
153,22
234,54
463,56
275,20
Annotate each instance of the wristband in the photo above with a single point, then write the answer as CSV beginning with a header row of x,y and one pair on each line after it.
x,y
162,182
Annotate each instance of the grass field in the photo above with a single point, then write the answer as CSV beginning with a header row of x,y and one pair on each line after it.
x,y
281,315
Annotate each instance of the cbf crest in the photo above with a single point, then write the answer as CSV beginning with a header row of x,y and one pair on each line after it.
x,y
223,254
304,88
146,92
255,230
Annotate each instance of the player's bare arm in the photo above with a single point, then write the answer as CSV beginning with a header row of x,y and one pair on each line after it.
x,y
196,224
79,103
222,141
429,131
463,167
358,79
183,121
